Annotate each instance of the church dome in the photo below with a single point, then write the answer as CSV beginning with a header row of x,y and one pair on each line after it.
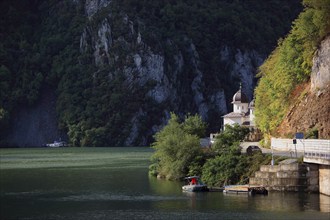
x,y
240,97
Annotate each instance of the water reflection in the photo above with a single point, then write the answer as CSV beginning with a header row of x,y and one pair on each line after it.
x,y
130,193
164,187
215,205
282,205
286,202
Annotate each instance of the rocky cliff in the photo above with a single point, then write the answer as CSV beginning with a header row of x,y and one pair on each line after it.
x,y
118,68
175,80
311,112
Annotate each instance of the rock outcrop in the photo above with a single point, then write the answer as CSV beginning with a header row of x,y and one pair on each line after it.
x,y
320,78
143,65
311,112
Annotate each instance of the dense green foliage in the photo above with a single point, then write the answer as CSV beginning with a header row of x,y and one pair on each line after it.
x,y
179,154
177,147
232,135
39,46
232,167
228,166
40,50
210,23
290,64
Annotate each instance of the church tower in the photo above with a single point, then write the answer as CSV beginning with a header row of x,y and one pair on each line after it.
x,y
240,102
241,110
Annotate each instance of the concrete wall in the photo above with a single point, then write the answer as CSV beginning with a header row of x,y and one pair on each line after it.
x,y
316,145
324,178
315,152
288,177
324,203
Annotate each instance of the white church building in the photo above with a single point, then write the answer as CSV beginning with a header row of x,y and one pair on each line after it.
x,y
243,114
243,111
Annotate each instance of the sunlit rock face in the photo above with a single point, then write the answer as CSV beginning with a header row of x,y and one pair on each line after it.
x,y
242,66
320,77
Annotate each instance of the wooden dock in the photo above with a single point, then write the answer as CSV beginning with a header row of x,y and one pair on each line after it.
x,y
245,189
216,189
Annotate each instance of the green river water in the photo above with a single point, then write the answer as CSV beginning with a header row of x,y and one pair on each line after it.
x,y
113,183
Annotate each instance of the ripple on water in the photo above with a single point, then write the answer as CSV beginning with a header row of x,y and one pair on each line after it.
x,y
118,197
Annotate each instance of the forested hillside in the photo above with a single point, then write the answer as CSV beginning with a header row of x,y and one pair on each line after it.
x,y
286,74
118,68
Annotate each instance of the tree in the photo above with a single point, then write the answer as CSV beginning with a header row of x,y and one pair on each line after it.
x,y
229,165
232,167
176,148
194,124
231,135
5,94
224,169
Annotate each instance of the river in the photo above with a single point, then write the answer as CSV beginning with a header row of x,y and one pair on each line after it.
x,y
113,183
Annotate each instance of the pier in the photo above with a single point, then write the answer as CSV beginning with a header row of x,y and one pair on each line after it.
x,y
247,189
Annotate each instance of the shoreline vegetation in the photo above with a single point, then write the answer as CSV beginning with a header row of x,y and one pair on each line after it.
x,y
178,154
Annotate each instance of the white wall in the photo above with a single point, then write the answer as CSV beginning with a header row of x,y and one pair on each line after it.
x,y
241,107
316,145
252,117
232,121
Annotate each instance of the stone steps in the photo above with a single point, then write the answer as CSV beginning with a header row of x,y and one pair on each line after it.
x,y
287,177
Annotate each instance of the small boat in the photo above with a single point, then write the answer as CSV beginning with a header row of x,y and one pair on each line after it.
x,y
57,144
194,184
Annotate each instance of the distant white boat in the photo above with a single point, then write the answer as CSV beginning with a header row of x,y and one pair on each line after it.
x,y
57,144
194,184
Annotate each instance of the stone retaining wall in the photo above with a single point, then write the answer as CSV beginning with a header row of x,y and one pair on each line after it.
x,y
324,175
288,177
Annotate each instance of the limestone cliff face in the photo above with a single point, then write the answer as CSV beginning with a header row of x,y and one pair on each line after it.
x,y
169,74
93,6
242,65
312,111
177,79
320,77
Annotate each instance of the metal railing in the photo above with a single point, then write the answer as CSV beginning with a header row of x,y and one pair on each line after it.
x,y
311,148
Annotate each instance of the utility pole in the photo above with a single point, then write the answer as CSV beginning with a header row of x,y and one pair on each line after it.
x,y
272,162
295,146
